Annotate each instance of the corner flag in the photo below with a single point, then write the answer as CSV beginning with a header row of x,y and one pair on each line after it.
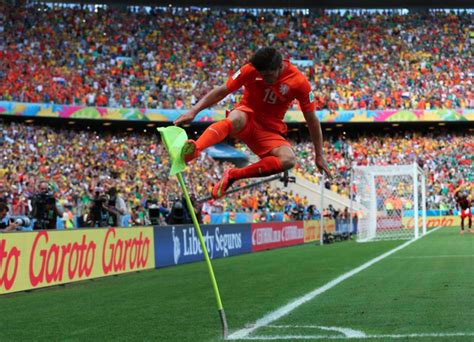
x,y
174,138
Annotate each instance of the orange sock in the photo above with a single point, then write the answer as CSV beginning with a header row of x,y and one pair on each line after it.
x,y
214,134
265,167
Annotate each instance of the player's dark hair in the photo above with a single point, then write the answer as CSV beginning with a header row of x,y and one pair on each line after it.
x,y
266,58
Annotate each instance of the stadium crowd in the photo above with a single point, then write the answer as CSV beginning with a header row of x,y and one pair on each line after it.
x,y
447,159
80,166
169,58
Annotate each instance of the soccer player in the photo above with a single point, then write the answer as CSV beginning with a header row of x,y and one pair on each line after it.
x,y
271,84
463,204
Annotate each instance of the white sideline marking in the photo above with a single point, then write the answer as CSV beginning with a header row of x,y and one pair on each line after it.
x,y
346,331
332,337
435,256
286,309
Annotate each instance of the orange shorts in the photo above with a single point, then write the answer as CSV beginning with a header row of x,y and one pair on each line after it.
x,y
256,137
466,213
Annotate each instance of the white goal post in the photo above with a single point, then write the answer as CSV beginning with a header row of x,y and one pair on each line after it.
x,y
389,201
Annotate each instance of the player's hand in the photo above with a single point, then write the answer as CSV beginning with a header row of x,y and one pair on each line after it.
x,y
322,166
185,118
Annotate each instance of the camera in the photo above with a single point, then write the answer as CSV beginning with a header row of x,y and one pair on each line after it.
x,y
22,221
44,210
99,200
154,212
99,216
45,199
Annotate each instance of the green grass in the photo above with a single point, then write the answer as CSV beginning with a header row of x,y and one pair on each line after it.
x,y
425,288
409,292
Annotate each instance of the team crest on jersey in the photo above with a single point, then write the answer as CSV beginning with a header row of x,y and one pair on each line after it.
x,y
284,89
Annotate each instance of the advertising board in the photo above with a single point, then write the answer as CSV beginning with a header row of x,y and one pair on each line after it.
x,y
45,258
180,244
270,235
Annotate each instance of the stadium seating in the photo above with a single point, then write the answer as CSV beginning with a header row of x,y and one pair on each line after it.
x,y
76,163
356,60
159,58
447,159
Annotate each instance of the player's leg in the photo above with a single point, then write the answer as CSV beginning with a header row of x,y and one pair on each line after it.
x,y
275,153
462,225
266,166
214,134
470,223
280,159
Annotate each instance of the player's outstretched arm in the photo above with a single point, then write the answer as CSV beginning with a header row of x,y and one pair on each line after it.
x,y
211,98
316,134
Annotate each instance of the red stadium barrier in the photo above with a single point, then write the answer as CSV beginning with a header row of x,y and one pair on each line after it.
x,y
272,235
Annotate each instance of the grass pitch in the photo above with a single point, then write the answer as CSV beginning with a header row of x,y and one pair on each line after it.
x,y
425,288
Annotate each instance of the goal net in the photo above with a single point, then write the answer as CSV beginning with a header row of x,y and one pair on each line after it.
x,y
389,202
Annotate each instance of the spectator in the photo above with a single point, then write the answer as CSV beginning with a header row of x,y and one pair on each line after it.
x,y
5,224
76,163
358,59
445,161
68,217
116,207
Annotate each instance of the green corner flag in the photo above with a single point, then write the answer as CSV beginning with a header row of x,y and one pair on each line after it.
x,y
174,138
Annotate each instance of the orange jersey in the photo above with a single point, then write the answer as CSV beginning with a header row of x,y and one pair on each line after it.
x,y
270,102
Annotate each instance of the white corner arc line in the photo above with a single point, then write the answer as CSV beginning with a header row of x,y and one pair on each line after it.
x,y
346,331
286,309
332,337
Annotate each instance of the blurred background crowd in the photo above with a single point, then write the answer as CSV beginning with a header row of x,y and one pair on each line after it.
x,y
81,167
446,158
169,58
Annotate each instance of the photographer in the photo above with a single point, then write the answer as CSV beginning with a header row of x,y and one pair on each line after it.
x,y
333,212
116,208
98,215
45,208
179,213
313,213
298,212
6,224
